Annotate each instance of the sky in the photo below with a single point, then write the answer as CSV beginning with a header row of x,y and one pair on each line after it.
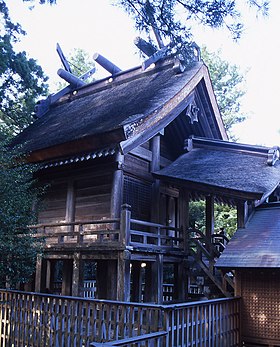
x,y
98,26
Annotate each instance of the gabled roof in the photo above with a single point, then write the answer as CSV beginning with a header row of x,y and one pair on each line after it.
x,y
126,109
225,168
257,245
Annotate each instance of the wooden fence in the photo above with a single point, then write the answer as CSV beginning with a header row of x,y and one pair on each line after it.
x,y
35,320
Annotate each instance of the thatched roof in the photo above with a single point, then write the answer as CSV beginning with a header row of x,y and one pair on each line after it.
x,y
118,109
225,168
257,245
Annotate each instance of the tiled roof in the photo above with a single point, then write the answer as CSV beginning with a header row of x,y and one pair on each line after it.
x,y
80,158
257,245
226,167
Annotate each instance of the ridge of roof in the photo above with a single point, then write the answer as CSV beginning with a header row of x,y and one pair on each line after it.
x,y
256,245
222,145
122,77
233,169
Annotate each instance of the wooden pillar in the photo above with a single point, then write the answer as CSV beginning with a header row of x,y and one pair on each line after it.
x,y
123,276
158,270
209,214
101,279
180,281
38,275
242,214
112,280
106,279
49,275
67,271
41,275
154,281
155,166
70,204
117,187
184,201
77,281
136,274
125,225
148,283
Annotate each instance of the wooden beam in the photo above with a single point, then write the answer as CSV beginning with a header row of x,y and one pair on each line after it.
x,y
242,214
70,204
67,271
180,282
38,275
117,187
209,215
155,166
123,276
77,274
137,274
184,201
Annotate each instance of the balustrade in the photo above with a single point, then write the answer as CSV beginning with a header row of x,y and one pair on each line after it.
x,y
34,320
114,233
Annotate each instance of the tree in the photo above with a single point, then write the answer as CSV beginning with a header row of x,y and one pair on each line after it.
x,y
225,217
18,247
167,18
21,82
80,62
227,83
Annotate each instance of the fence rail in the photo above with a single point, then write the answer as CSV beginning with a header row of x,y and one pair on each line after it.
x,y
35,320
114,233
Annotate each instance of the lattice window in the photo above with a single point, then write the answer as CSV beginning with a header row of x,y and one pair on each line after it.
x,y
137,194
261,304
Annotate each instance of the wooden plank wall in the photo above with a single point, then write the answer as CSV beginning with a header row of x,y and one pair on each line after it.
x,y
87,190
53,207
93,196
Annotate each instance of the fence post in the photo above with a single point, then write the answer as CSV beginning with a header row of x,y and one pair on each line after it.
x,y
125,224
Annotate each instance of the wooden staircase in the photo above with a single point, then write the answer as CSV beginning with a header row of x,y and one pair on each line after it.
x,y
202,258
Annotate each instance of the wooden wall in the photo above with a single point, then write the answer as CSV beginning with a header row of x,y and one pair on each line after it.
x,y
259,290
93,196
81,192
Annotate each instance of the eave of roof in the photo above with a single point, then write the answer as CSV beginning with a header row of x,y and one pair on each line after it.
x,y
257,245
135,104
225,168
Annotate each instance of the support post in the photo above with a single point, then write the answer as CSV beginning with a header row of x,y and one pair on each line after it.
x,y
70,205
117,187
136,291
242,214
77,280
125,225
123,276
67,271
154,281
38,276
184,201
155,166
180,282
209,213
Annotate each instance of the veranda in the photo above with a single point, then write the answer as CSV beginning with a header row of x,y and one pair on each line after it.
x,y
32,319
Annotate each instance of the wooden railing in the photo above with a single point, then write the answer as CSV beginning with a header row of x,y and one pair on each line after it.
x,y
157,236
115,233
205,253
97,232
35,320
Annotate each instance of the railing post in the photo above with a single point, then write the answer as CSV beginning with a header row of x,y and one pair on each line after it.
x,y
125,224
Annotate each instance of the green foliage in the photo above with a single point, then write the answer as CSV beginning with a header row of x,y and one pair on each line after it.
x,y
172,19
228,86
225,217
18,248
80,62
21,80
21,83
